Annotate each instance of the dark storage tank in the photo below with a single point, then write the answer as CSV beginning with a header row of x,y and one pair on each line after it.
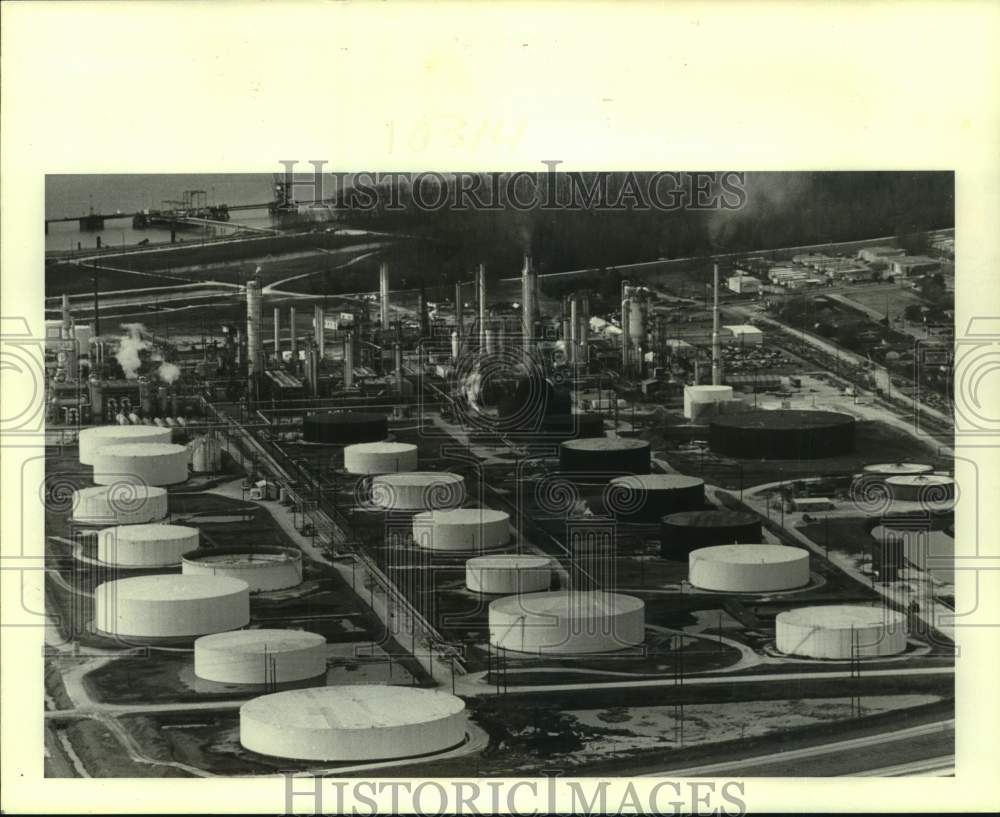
x,y
345,428
786,434
683,532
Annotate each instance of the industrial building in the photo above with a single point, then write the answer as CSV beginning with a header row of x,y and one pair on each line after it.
x,y
144,546
353,723
461,529
263,568
647,497
911,265
142,463
260,657
508,574
742,335
751,568
698,397
119,504
841,632
418,491
380,458
874,255
782,434
567,622
170,606
743,284
683,532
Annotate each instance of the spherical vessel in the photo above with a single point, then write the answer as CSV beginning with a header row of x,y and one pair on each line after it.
x,y
567,622
123,504
927,489
898,469
380,458
783,434
171,606
841,631
601,458
145,545
462,529
260,656
97,437
344,723
142,463
262,568
646,498
418,491
680,533
345,428
514,573
748,568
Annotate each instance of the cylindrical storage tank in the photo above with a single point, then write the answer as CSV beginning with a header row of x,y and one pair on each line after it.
x,y
697,397
380,458
604,457
171,606
508,574
680,533
646,498
782,434
262,568
841,631
572,426
748,568
145,545
121,504
567,622
898,469
927,489
418,491
260,656
92,439
353,723
142,463
461,529
345,428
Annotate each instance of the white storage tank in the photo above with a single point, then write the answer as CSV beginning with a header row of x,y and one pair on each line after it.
x,y
697,396
508,574
145,545
418,491
748,568
928,489
122,504
97,437
841,631
567,622
898,469
171,606
262,568
353,723
462,529
142,463
260,656
380,458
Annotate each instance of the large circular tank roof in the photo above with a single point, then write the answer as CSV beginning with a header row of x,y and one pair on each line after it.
x,y
343,723
122,503
253,641
380,458
841,616
99,436
345,428
782,434
892,469
174,587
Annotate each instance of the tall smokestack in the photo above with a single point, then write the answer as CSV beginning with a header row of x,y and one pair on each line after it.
x,y
255,343
319,328
294,338
397,355
97,311
481,292
574,329
528,305
626,334
383,294
69,340
349,361
277,336
716,352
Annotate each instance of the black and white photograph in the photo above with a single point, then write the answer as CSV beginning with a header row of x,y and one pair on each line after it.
x,y
465,475
507,408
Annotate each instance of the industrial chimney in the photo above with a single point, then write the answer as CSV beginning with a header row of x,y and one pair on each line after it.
x,y
319,319
528,305
383,296
481,291
277,336
716,352
255,343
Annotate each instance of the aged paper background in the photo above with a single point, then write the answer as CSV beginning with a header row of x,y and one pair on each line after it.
x,y
231,87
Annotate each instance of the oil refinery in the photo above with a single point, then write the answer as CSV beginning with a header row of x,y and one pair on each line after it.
x,y
323,497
